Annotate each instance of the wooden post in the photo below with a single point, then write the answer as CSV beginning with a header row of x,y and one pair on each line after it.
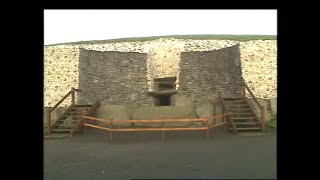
x,y
208,133
49,121
110,136
110,132
72,96
83,126
226,121
162,132
214,108
84,129
208,130
263,118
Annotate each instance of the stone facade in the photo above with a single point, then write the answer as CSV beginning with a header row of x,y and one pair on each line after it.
x,y
258,59
204,74
113,78
163,61
60,73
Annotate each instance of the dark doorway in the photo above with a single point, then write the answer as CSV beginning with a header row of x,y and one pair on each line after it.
x,y
164,100
163,89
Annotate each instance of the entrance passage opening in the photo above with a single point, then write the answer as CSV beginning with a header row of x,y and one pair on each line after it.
x,y
164,88
164,100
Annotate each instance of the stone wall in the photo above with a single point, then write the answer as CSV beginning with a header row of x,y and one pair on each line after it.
x,y
113,78
259,67
163,61
60,73
258,63
204,74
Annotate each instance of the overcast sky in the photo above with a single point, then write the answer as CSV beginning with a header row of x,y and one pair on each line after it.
x,y
62,26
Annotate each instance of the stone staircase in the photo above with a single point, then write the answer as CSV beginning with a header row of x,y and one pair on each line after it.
x,y
242,117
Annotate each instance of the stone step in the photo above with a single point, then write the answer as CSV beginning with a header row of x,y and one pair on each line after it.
x,y
246,123
248,129
57,136
73,120
238,109
238,106
63,125
231,99
73,115
241,113
62,130
236,102
82,105
240,118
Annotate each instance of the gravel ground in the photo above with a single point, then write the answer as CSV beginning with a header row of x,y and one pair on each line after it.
x,y
143,155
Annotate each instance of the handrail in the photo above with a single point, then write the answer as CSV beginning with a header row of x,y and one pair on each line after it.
x,y
251,93
59,102
89,112
93,109
72,93
259,105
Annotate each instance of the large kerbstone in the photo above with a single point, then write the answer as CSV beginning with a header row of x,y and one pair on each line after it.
x,y
181,100
164,112
205,110
218,111
113,112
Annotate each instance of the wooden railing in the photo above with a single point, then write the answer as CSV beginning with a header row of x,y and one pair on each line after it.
x,y
110,125
72,93
90,113
262,110
226,110
93,109
80,123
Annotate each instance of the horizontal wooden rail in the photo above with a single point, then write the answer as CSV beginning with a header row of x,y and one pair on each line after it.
x,y
144,120
96,119
160,129
217,125
163,129
147,129
98,127
154,120
155,129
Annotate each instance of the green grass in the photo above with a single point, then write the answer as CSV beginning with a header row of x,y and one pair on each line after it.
x,y
271,124
196,37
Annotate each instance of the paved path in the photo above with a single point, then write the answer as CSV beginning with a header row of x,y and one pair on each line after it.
x,y
144,155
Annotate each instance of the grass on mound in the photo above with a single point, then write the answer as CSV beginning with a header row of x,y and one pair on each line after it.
x,y
195,37
271,124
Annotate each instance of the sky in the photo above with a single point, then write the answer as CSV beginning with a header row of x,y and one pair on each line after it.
x,y
61,26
